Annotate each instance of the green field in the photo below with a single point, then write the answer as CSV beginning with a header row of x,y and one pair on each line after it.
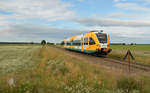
x,y
45,69
140,52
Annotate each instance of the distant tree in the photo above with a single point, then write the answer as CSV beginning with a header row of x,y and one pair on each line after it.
x,y
50,43
124,44
43,42
32,42
62,43
132,44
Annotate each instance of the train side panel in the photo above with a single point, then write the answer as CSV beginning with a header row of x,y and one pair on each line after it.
x,y
88,43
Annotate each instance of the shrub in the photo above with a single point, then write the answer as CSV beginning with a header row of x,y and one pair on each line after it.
x,y
50,43
43,42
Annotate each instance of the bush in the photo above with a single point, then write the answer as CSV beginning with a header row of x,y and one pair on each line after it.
x,y
43,42
128,85
62,43
50,43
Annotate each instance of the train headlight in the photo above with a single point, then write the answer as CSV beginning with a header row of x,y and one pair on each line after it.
x,y
99,45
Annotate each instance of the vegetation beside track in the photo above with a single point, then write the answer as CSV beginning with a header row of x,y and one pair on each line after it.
x,y
140,52
45,69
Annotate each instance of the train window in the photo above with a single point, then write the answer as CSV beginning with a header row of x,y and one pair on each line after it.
x,y
85,41
102,37
68,43
91,41
77,42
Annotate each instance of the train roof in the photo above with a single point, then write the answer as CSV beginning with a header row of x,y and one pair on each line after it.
x,y
100,31
79,36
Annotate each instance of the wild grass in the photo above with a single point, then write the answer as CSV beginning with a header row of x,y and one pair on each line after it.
x,y
140,52
53,71
13,59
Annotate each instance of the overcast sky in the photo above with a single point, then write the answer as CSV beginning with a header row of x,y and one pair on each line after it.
x,y
54,20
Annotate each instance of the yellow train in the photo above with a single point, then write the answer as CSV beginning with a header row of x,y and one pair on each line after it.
x,y
95,42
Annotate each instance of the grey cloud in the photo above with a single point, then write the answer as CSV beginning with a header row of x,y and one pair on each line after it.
x,y
111,22
131,6
120,38
36,33
29,32
122,15
147,1
46,9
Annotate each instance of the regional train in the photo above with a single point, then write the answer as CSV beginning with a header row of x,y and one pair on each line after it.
x,y
93,42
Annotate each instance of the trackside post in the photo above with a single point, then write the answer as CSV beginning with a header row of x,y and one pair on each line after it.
x,y
129,54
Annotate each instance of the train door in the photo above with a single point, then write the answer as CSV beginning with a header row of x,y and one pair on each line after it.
x,y
82,44
86,43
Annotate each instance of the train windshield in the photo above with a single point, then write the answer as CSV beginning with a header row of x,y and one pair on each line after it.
x,y
102,37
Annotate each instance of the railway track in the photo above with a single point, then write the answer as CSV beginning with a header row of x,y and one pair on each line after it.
x,y
109,62
132,65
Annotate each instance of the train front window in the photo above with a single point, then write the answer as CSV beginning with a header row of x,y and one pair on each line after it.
x,y
91,42
102,37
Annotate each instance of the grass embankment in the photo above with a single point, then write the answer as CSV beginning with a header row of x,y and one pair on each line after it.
x,y
140,52
52,71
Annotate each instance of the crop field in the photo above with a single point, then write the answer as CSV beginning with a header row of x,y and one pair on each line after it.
x,y
45,69
140,52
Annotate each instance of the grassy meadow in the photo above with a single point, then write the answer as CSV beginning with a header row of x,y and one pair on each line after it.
x,y
140,52
45,69
16,58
